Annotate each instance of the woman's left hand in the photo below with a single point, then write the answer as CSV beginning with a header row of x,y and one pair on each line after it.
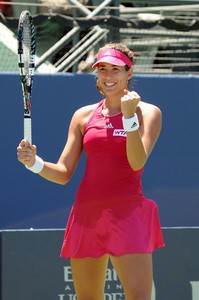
x,y
129,103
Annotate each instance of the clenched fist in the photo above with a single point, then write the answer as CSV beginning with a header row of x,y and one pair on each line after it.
x,y
129,103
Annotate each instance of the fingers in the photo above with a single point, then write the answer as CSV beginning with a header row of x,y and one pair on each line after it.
x,y
131,95
26,153
24,143
135,95
129,103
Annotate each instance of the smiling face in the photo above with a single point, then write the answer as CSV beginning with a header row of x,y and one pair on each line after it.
x,y
113,79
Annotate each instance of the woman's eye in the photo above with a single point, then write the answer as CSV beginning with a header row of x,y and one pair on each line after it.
x,y
103,69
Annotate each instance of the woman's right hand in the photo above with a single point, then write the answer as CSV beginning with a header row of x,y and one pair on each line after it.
x,y
26,153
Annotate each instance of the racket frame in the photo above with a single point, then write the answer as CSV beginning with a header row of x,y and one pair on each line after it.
x,y
26,66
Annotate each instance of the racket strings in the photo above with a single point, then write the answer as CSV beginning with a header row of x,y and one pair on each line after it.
x,y
27,50
26,57
26,63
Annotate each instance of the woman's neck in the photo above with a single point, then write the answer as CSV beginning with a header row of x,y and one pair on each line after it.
x,y
112,102
110,108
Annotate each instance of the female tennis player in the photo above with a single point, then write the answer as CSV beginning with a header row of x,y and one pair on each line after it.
x,y
110,218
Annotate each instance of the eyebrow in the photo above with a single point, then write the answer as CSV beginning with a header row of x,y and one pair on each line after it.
x,y
103,64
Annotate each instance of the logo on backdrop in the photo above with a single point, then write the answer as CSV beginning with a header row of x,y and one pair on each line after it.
x,y
113,288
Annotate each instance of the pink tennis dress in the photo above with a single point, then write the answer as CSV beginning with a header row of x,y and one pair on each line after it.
x,y
110,214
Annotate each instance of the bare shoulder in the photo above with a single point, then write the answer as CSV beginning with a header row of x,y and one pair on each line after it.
x,y
150,119
148,108
149,111
83,114
86,110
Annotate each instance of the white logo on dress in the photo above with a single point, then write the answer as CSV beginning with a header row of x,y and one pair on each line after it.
x,y
108,126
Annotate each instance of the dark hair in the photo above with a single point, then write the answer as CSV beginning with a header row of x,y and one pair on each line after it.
x,y
122,48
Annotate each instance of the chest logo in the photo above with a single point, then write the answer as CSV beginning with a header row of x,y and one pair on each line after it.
x,y
108,125
119,132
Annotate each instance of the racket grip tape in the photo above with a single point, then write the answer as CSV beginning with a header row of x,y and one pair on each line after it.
x,y
28,130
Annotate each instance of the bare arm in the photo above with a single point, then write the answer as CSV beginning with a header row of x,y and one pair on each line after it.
x,y
141,142
62,171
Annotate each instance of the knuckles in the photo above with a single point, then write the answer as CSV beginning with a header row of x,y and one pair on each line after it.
x,y
129,103
132,96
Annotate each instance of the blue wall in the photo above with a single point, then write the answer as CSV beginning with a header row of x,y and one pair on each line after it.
x,y
171,176
30,262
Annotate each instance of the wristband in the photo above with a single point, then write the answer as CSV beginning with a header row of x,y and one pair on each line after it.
x,y
38,165
130,124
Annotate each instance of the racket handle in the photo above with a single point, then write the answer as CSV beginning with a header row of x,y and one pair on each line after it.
x,y
28,130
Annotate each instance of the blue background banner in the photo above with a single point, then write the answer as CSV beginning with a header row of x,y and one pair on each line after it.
x,y
171,175
31,268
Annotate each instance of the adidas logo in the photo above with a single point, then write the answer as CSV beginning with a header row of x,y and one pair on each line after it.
x,y
107,53
134,124
108,126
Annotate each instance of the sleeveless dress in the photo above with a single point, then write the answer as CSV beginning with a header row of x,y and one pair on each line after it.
x,y
110,214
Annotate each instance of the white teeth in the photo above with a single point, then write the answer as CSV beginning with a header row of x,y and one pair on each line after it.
x,y
109,84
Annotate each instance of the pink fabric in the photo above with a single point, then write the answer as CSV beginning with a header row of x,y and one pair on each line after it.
x,y
110,213
113,57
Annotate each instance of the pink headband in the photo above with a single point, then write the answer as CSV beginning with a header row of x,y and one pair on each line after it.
x,y
113,57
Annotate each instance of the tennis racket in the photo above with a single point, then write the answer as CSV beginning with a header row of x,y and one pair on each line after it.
x,y
26,63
